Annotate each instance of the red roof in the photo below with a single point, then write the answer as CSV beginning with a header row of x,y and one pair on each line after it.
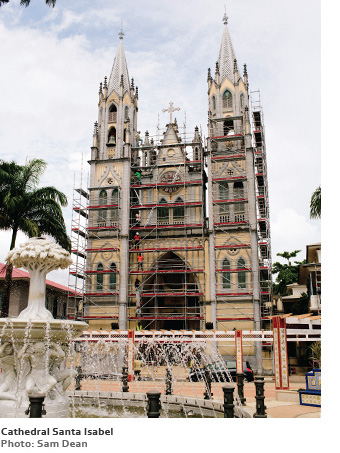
x,y
19,273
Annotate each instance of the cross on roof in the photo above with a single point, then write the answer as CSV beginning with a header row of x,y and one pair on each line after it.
x,y
171,109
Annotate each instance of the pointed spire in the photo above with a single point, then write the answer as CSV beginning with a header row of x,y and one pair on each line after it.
x,y
105,87
119,69
95,135
245,76
227,55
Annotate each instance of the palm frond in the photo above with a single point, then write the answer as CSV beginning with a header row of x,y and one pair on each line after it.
x,y
315,204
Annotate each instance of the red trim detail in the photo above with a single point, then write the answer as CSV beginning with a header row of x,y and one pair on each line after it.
x,y
169,294
100,317
235,319
183,225
112,227
234,294
103,206
164,249
233,246
171,205
102,272
165,317
171,271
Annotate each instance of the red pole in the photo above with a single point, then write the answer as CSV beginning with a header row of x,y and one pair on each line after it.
x,y
276,351
284,355
131,354
239,351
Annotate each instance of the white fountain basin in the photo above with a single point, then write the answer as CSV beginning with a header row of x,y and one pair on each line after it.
x,y
59,330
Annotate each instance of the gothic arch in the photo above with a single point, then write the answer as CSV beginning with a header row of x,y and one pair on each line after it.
x,y
110,169
241,252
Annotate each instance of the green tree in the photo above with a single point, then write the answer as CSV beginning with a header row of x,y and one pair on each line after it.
x,y
315,204
26,207
301,307
286,273
27,2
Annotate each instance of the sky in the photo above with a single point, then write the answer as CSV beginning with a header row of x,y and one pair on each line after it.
x,y
53,59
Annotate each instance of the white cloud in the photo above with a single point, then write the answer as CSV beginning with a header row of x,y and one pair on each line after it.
x,y
292,231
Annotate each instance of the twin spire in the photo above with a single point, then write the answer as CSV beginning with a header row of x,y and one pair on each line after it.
x,y
226,63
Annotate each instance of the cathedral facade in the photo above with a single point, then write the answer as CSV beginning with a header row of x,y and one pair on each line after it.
x,y
173,231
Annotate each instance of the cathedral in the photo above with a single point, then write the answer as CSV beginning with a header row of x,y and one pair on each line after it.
x,y
173,230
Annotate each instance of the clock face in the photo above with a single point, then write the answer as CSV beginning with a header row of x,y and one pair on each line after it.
x,y
169,178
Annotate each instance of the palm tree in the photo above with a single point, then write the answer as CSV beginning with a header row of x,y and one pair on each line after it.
x,y
288,255
32,210
27,2
315,204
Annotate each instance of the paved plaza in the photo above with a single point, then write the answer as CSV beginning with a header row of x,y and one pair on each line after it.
x,y
181,387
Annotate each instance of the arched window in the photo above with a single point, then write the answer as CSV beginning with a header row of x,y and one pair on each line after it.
x,y
224,191
113,114
241,276
163,213
178,213
100,277
102,202
227,100
238,189
111,138
113,276
213,103
241,99
226,281
228,126
126,112
114,196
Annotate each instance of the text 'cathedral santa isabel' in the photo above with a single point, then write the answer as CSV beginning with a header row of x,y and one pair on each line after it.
x,y
173,232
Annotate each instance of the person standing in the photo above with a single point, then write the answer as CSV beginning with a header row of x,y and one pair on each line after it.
x,y
140,259
138,369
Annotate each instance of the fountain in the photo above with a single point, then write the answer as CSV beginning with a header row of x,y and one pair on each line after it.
x,y
34,349
35,346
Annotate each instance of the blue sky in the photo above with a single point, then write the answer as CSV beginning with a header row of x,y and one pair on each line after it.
x,y
54,59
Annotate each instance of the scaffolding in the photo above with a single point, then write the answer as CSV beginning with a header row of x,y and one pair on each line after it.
x,y
167,205
231,226
231,207
94,237
262,198
76,279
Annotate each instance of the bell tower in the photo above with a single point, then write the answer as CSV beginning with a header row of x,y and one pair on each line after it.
x,y
235,187
106,286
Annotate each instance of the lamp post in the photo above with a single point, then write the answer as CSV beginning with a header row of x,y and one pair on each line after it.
x,y
259,396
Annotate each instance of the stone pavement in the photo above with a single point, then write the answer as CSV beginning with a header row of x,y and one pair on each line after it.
x,y
275,408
